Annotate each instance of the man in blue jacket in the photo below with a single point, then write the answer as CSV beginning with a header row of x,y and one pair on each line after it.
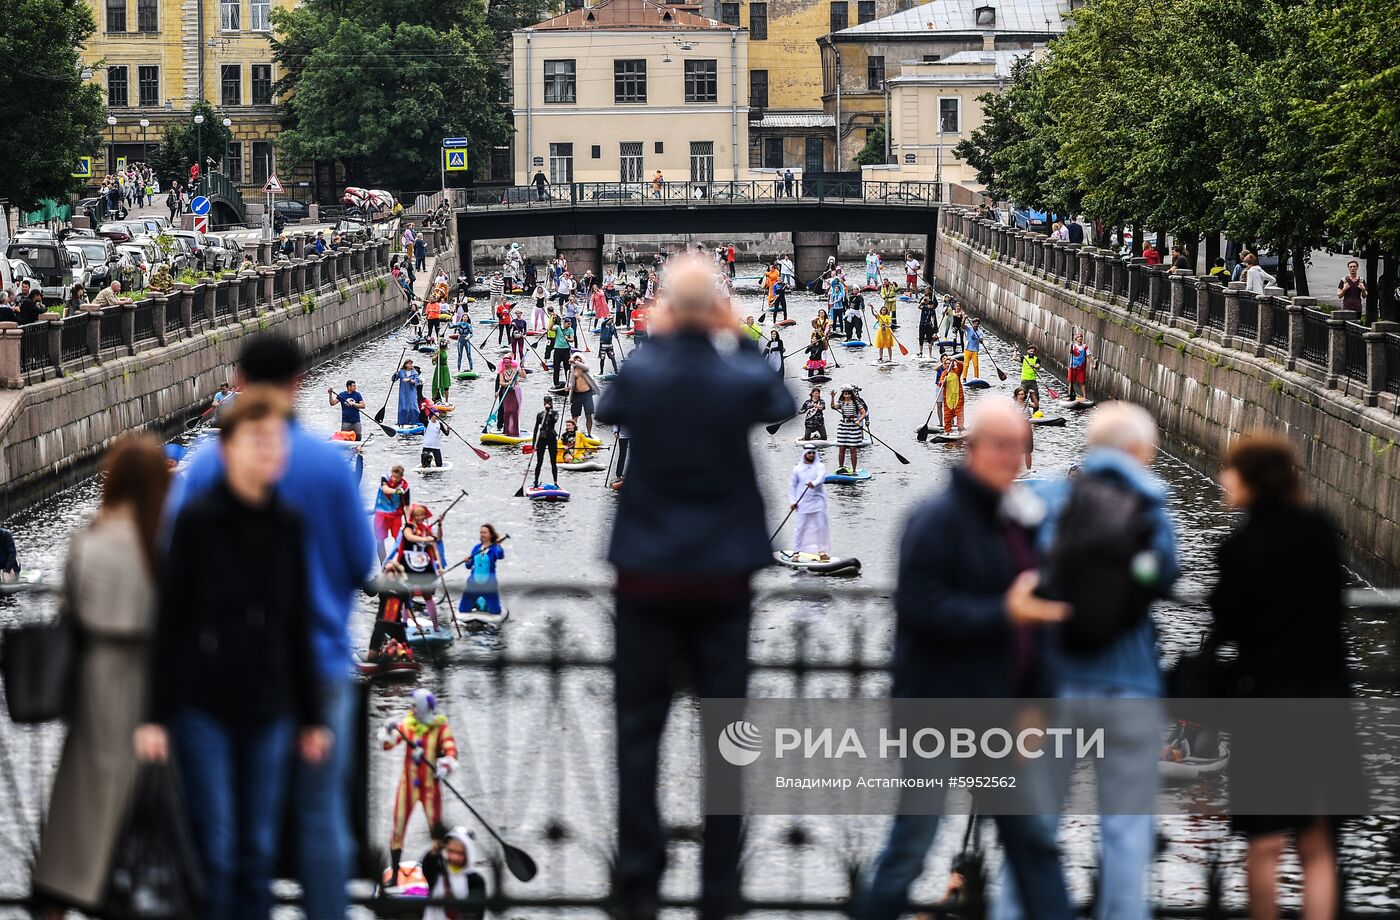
x,y
340,557
969,624
688,537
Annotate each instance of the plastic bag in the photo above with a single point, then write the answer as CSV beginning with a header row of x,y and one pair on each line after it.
x,y
153,872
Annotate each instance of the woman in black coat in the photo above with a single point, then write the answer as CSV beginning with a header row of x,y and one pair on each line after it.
x,y
1279,600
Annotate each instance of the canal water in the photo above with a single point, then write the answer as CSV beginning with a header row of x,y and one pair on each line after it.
x,y
537,744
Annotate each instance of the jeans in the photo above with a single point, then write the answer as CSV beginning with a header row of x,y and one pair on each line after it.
x,y
464,348
325,844
712,635
235,777
1031,855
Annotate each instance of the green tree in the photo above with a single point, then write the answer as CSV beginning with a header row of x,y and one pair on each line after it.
x,y
51,115
377,85
185,141
873,153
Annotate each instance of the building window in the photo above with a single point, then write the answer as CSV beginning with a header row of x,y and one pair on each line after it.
x,y
875,72
630,81
560,81
597,151
561,164
630,167
147,19
702,161
840,15
263,163
116,15
773,153
986,17
116,87
865,11
148,86
930,58
228,15
702,81
261,77
233,161
758,22
758,89
949,111
260,15
729,14
902,5
231,84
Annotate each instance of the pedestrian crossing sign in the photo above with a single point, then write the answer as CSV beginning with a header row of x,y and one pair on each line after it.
x,y
454,159
83,169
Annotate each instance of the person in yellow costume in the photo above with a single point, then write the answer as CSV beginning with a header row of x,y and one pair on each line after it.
x,y
884,335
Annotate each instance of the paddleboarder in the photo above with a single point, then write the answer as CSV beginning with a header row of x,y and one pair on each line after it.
x,y
927,332
814,416
607,335
431,454
409,381
884,335
482,560
442,374
583,390
546,440
462,326
1078,368
774,351
351,403
430,755
807,494
954,397
850,431
1030,374
972,350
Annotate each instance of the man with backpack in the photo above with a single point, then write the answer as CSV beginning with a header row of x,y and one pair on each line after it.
x,y
1110,552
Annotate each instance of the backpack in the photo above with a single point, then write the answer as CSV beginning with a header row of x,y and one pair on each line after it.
x,y
1101,563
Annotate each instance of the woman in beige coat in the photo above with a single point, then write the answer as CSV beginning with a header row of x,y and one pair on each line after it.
x,y
110,590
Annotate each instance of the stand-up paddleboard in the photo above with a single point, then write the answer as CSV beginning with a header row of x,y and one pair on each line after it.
x,y
810,562
860,475
855,343
976,383
496,437
583,466
408,431
465,375
427,470
422,639
547,492
395,669
481,619
1049,421
1078,405
818,378
949,438
809,442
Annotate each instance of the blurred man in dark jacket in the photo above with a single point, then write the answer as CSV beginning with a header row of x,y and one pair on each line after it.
x,y
689,535
968,624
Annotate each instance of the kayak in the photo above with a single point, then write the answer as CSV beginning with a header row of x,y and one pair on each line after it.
x,y
810,562
1078,404
386,670
1049,421
817,378
860,475
426,638
976,383
495,437
949,438
465,375
808,442
480,619
855,343
549,492
583,466
406,431
425,470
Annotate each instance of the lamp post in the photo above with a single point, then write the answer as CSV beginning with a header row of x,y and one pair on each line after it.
x,y
145,153
199,134
228,126
111,144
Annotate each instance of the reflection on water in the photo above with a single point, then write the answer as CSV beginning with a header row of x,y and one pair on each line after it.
x,y
537,749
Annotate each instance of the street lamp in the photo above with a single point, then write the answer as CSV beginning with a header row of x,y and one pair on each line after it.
x,y
199,132
111,143
145,153
228,126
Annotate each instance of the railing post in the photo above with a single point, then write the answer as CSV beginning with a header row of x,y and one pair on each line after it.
x,y
1202,305
1177,298
11,369
1085,258
1265,323
1295,329
128,317
1103,273
1232,313
186,307
1121,276
208,304
1156,289
1337,345
56,340
94,331
268,277
235,288
159,304
249,283
1375,358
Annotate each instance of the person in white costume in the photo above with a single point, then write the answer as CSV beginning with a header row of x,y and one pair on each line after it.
x,y
807,493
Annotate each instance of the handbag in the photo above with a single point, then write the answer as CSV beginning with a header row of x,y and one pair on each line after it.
x,y
39,664
153,873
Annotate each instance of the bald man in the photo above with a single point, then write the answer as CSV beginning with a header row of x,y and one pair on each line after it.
x,y
688,537
968,624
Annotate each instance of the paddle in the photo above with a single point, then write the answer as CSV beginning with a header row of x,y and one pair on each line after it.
x,y
474,449
379,416
517,860
902,350
878,440
489,363
501,401
607,475
529,345
924,430
472,555
789,514
1000,373
529,456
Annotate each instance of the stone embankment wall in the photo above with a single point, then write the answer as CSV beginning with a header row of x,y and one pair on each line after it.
x,y
1209,361
750,247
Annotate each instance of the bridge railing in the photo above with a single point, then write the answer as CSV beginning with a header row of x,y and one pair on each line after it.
x,y
703,193
217,185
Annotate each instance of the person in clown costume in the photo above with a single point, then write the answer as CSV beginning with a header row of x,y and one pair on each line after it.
x,y
430,755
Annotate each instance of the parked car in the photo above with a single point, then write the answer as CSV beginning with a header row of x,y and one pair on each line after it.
x,y
173,253
292,210
99,256
47,258
233,251
522,194
617,193
135,267
114,231
20,271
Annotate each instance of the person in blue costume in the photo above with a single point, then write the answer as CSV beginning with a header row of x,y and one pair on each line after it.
x,y
408,379
482,566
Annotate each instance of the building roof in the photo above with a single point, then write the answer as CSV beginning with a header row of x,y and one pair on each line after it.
x,y
629,14
794,120
1002,58
1042,17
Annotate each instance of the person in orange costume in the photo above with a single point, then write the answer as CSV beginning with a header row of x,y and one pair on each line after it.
x,y
430,755
954,397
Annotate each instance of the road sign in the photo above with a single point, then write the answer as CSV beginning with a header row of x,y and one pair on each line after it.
x,y
199,205
83,169
454,159
454,142
121,164
274,184
201,223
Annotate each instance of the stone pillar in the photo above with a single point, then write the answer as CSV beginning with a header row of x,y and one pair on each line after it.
x,y
1266,318
204,293
1085,269
94,330
248,282
1232,313
1177,296
1103,273
810,250
267,276
55,340
1018,248
159,304
315,272
128,316
1120,276
330,267
235,291
1337,345
186,307
264,256
1157,289
1202,304
1295,330
1375,358
11,374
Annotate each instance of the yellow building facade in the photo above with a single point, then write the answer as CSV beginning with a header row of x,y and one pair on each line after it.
x,y
156,58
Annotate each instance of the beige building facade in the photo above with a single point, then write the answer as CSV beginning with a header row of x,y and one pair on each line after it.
x,y
616,92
